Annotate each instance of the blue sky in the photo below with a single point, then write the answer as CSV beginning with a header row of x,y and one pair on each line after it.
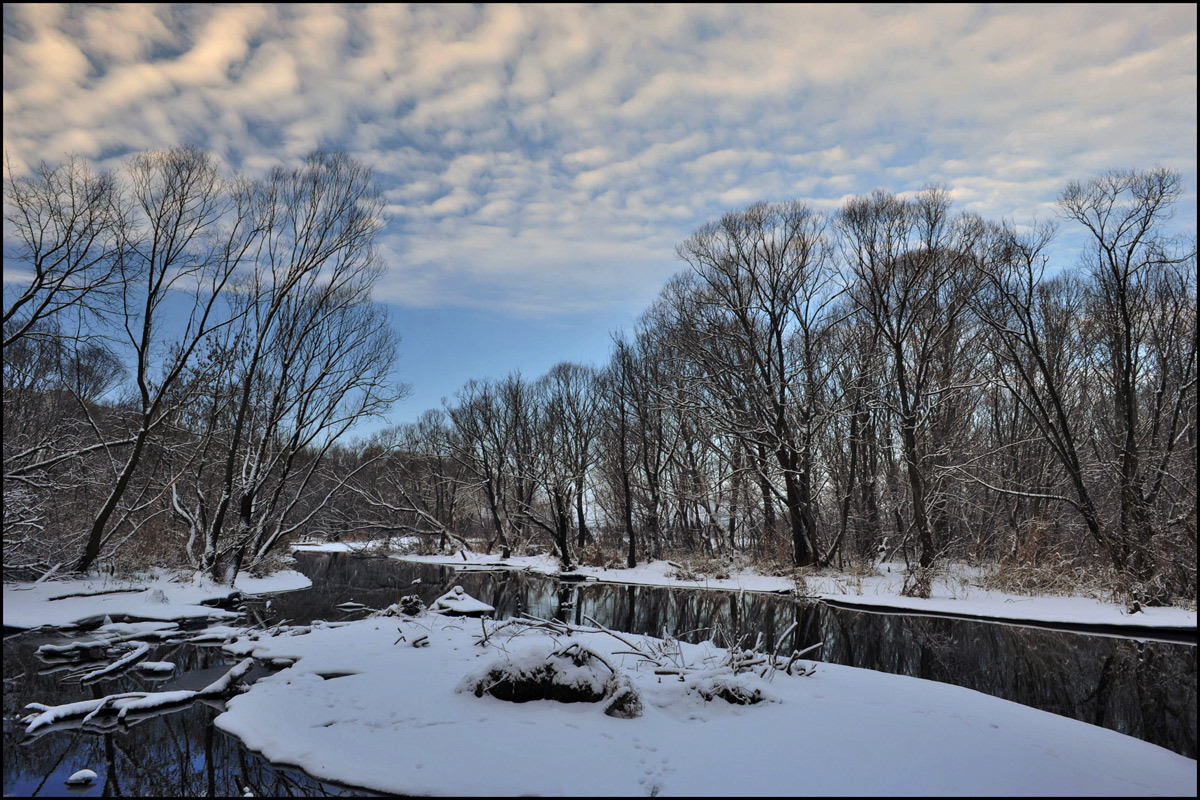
x,y
540,163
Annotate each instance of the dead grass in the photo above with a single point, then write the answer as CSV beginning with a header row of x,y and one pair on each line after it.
x,y
598,553
700,567
1062,577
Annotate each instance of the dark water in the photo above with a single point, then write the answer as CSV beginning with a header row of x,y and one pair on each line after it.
x,y
174,754
1139,687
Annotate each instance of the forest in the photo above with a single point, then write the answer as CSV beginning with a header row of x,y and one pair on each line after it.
x,y
187,354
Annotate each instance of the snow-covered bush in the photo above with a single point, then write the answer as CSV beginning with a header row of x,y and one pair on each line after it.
x,y
410,605
733,689
545,671
694,567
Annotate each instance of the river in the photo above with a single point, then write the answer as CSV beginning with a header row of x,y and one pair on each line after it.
x,y
1139,685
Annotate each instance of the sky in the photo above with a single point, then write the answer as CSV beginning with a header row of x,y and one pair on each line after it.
x,y
541,163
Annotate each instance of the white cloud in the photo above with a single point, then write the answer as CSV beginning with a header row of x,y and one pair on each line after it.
x,y
517,142
589,157
222,43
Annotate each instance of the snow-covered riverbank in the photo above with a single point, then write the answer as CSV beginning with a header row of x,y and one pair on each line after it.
x,y
155,596
955,592
362,705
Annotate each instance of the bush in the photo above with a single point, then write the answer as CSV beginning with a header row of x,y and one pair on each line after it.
x,y
571,674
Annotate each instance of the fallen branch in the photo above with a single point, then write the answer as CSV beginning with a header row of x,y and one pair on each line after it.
x,y
96,594
625,641
122,704
139,651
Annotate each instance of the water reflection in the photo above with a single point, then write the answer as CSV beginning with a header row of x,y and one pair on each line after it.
x,y
178,753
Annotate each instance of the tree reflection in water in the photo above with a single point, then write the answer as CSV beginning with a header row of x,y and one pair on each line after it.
x,y
178,753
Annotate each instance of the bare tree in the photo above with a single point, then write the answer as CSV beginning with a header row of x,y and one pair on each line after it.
x,y
574,389
1138,297
1129,326
482,449
520,404
851,443
66,226
314,353
757,320
617,459
914,270
549,463
333,370
190,232
64,230
55,426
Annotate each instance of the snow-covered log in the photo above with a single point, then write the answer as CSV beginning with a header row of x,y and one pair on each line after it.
x,y
224,684
139,651
121,705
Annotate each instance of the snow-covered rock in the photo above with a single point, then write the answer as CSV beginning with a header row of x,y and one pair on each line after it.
x,y
81,778
457,602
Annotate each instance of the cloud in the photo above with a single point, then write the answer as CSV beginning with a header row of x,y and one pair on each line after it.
x,y
546,159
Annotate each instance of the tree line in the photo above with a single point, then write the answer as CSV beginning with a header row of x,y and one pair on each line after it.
x,y
182,351
892,380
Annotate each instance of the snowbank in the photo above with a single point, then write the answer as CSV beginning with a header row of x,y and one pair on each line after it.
x,y
364,707
157,597
951,594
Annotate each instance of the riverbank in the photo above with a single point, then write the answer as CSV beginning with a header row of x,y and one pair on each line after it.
x,y
155,596
955,592
386,704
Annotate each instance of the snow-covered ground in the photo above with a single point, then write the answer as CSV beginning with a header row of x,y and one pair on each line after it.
x,y
364,706
956,592
155,596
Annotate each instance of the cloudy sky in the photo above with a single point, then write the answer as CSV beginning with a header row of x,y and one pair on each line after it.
x,y
540,163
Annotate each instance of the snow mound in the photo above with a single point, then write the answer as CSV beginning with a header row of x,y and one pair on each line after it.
x,y
543,671
81,778
457,602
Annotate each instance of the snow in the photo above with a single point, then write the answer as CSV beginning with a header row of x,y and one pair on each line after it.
x,y
156,667
328,547
356,547
82,777
136,630
953,593
156,597
457,601
363,707
388,704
